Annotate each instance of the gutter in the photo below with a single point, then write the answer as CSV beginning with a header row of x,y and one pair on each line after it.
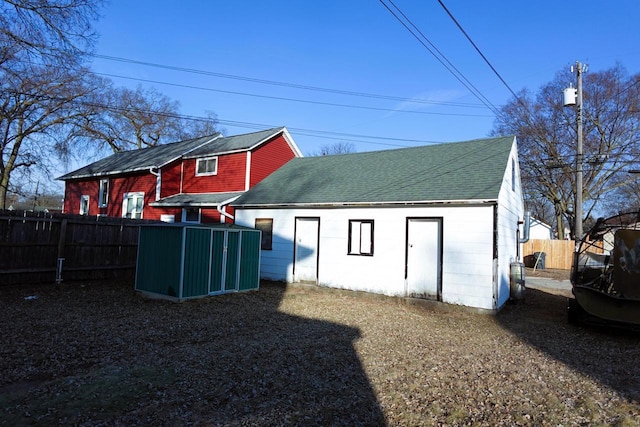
x,y
223,213
370,204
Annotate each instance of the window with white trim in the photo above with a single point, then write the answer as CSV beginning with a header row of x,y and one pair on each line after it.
x,y
132,205
191,215
360,237
103,196
207,166
84,205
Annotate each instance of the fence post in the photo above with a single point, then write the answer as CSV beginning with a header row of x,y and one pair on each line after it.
x,y
61,242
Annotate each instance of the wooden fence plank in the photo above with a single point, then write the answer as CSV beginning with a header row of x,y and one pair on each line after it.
x,y
558,254
93,248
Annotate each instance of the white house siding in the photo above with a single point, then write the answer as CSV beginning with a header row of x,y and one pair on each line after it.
x,y
539,230
467,253
510,211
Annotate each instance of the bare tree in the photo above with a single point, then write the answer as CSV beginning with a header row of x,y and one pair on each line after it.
x,y
51,30
125,119
547,136
38,107
195,127
333,149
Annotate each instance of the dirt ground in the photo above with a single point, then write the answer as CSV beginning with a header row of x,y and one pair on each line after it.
x,y
100,354
549,273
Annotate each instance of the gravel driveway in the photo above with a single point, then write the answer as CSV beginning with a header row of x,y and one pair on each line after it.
x,y
99,354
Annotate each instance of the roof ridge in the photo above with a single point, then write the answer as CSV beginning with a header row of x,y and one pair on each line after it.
x,y
416,147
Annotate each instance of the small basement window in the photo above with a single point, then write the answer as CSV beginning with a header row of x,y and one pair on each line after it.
x,y
191,215
360,237
207,166
266,226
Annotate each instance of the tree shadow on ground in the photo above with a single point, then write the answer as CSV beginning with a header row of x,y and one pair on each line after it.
x,y
609,355
105,355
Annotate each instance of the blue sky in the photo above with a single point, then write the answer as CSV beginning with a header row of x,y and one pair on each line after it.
x,y
358,46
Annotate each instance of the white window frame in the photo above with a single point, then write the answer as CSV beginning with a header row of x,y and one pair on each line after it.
x,y
133,197
103,196
84,204
214,171
360,237
184,215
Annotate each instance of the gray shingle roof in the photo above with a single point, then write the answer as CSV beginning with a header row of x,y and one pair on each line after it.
x,y
235,143
197,199
462,171
138,160
154,157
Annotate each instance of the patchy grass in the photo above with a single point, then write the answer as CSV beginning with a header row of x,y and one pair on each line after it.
x,y
101,354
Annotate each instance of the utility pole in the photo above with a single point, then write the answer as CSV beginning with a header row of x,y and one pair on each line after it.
x,y
576,94
580,68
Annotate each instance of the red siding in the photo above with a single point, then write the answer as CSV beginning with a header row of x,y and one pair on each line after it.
x,y
170,176
210,216
74,190
145,183
268,157
230,176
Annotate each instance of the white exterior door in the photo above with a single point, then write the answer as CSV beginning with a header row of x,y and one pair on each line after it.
x,y
424,257
305,267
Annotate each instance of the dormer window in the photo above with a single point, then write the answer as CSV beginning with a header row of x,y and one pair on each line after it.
x,y
207,166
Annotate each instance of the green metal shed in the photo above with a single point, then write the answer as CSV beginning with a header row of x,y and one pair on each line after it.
x,y
183,261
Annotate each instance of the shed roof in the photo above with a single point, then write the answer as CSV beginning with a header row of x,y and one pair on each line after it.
x,y
155,157
197,199
461,171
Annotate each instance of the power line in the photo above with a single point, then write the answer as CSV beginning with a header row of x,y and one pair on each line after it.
x,y
279,98
529,116
477,49
331,104
427,44
374,140
284,84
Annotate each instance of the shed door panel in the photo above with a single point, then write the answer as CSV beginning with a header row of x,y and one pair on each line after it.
x,y
196,263
249,260
231,271
424,258
217,261
306,249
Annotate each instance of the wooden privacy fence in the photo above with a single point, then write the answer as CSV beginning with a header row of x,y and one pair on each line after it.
x,y
557,253
41,247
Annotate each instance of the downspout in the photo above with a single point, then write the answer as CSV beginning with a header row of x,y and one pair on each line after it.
x,y
525,229
525,232
224,214
157,175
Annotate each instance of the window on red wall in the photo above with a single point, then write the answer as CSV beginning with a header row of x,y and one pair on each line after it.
x,y
132,205
103,197
207,166
84,205
191,215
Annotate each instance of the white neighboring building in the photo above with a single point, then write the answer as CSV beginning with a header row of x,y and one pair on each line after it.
x,y
540,230
437,222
